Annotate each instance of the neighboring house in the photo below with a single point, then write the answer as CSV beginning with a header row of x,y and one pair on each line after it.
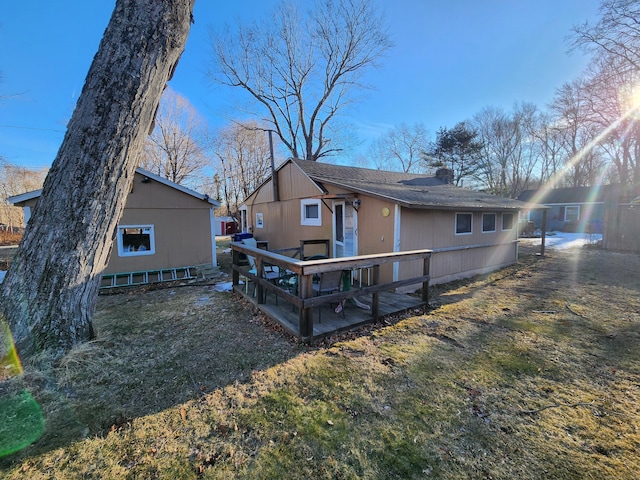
x,y
363,211
573,209
622,219
164,226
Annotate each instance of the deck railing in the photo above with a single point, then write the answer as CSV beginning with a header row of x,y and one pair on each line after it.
x,y
304,270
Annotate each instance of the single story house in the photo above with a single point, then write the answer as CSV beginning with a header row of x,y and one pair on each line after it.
x,y
363,211
572,209
164,227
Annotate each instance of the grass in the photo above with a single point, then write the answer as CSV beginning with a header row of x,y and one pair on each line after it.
x,y
531,372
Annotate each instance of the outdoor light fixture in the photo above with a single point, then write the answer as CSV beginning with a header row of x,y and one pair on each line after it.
x,y
356,204
146,179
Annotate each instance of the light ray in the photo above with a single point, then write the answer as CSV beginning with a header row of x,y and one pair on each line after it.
x,y
555,179
22,420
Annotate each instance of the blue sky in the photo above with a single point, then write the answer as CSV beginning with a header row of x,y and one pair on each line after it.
x,y
450,59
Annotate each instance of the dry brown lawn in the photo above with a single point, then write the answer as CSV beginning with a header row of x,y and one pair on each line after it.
x,y
531,372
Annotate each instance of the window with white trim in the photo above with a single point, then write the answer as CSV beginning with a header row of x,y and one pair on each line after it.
x,y
507,221
488,222
310,212
571,213
464,223
135,240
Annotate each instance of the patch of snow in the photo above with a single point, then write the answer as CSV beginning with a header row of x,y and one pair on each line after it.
x,y
564,240
223,287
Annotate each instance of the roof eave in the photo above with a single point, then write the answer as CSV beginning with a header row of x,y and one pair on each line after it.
x,y
178,187
23,197
431,206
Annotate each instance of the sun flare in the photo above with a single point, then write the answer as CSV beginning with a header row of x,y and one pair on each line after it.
x,y
630,98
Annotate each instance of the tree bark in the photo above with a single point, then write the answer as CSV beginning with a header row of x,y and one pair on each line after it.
x,y
50,291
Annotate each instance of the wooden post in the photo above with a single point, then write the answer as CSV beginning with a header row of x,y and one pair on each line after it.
x,y
543,236
375,296
305,290
259,287
235,275
425,285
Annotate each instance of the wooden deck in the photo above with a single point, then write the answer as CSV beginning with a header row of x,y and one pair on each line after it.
x,y
290,300
328,321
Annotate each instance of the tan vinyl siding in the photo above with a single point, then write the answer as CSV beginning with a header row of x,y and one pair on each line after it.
x,y
182,238
181,224
435,229
375,231
282,226
294,184
263,195
282,220
419,228
156,196
182,228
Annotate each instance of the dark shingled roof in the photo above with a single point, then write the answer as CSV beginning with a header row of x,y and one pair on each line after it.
x,y
567,195
407,189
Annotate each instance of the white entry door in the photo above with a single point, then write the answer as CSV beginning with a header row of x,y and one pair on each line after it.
x,y
345,229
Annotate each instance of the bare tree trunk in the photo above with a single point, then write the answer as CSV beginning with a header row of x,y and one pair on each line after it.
x,y
49,294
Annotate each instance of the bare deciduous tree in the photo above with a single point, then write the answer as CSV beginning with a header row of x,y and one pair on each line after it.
x,y
300,68
401,148
173,150
500,137
244,158
616,34
612,82
613,103
549,139
572,119
510,152
15,180
49,293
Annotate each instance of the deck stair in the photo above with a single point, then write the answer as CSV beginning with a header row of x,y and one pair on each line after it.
x,y
128,279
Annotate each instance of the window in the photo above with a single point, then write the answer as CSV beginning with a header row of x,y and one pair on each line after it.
x,y
572,213
338,210
244,225
310,212
507,221
488,222
134,240
463,223
259,220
